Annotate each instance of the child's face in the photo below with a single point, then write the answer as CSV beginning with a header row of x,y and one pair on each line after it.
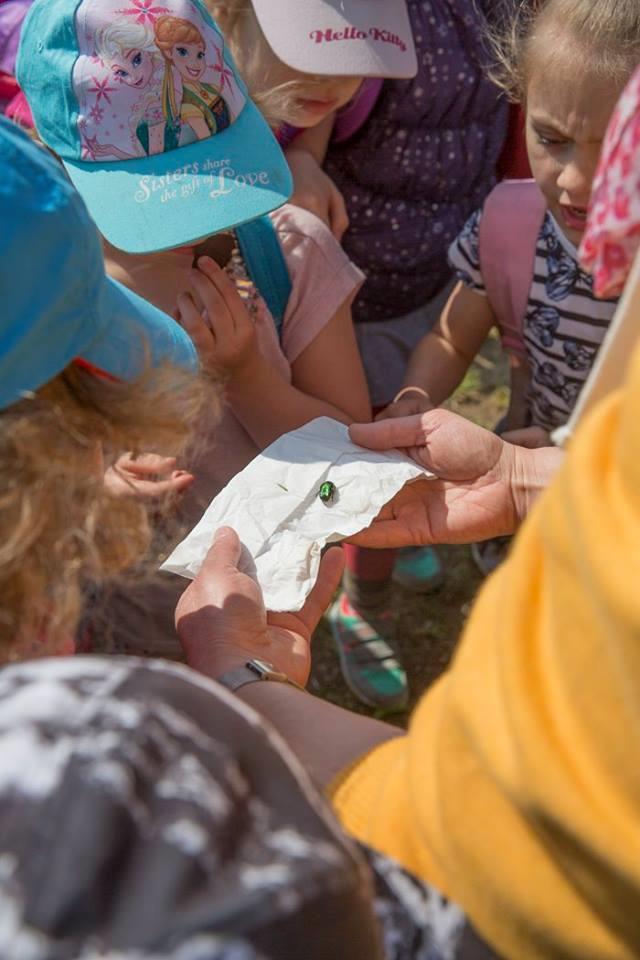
x,y
188,59
568,110
311,98
135,69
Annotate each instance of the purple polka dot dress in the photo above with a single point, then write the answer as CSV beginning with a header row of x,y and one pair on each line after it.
x,y
413,174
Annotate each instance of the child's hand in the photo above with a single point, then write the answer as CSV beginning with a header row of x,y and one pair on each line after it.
x,y
316,192
407,405
217,320
531,437
146,477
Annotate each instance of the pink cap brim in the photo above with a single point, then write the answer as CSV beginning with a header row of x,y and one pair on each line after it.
x,y
350,38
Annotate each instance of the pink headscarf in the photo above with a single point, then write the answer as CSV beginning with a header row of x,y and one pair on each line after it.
x,y
612,237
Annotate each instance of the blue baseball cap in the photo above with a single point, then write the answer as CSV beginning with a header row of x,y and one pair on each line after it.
x,y
142,103
57,303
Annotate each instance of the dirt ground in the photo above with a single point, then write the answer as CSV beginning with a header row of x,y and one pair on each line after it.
x,y
428,626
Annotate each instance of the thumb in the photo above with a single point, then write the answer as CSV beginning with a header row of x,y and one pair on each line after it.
x,y
329,575
390,433
224,553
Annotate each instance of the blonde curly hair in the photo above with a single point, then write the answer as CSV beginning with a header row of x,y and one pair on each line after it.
x,y
59,525
604,34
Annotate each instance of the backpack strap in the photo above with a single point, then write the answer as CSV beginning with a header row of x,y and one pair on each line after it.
x,y
511,220
266,265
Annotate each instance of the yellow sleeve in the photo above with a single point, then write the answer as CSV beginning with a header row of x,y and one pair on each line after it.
x,y
517,788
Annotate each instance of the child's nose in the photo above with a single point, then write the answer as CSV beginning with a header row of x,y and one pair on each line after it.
x,y
575,179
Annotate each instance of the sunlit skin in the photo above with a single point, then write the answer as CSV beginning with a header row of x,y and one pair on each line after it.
x,y
310,98
189,60
313,98
136,69
568,109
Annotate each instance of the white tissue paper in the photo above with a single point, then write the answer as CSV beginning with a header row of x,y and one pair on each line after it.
x,y
274,507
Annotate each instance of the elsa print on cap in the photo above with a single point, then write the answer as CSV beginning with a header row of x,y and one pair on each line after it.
x,y
143,105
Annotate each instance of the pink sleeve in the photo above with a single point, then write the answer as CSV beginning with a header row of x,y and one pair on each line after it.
x,y
322,276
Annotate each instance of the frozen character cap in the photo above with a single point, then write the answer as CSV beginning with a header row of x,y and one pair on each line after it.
x,y
360,38
142,104
57,303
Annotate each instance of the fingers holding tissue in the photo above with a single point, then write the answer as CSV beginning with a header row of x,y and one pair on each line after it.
x,y
222,621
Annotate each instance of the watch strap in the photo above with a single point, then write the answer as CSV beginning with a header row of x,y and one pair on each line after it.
x,y
252,671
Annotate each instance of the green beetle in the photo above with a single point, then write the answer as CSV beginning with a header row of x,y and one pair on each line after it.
x,y
327,491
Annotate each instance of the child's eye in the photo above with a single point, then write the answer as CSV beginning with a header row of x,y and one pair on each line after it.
x,y
121,74
547,141
137,60
200,55
182,51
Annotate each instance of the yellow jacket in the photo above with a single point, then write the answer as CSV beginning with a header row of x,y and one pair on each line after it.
x,y
517,788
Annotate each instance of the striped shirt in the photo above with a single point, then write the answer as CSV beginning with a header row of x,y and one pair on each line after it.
x,y
564,324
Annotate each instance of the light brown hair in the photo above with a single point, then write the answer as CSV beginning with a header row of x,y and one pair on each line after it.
x,y
603,34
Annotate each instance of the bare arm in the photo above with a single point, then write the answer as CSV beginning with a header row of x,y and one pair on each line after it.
x,y
328,381
313,189
325,738
327,378
441,359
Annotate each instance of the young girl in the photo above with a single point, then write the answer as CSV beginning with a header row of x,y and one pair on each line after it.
x,y
274,383
568,63
75,387
314,70
420,156
299,76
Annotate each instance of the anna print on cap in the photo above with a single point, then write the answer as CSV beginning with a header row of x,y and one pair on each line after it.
x,y
151,77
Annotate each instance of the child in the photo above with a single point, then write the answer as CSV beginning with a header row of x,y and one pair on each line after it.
x,y
304,65
299,74
154,211
438,162
72,351
568,65
410,176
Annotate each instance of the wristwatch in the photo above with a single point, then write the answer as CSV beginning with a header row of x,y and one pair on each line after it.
x,y
254,670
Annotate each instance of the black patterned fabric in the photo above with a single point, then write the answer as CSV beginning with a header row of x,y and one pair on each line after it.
x,y
564,324
145,814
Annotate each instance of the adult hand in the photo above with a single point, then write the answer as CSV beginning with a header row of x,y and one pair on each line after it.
x,y
316,192
146,477
484,486
222,622
217,320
